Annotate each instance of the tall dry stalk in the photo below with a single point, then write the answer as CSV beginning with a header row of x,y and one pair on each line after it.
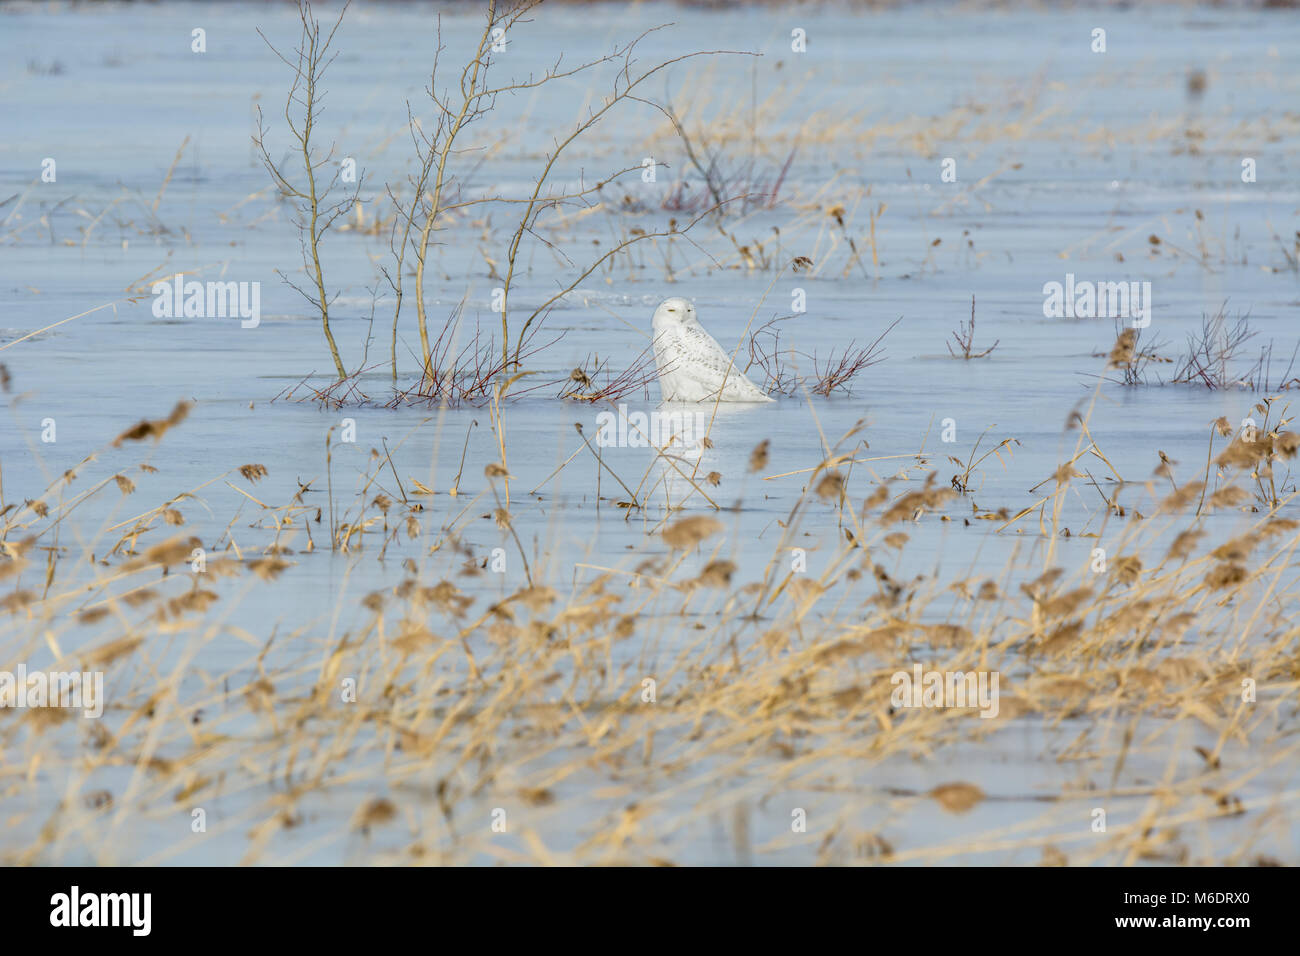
x,y
434,184
434,161
624,88
315,211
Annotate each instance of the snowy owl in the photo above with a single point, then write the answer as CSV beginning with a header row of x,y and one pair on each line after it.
x,y
692,366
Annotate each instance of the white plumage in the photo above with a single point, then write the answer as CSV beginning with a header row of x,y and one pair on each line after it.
x,y
692,366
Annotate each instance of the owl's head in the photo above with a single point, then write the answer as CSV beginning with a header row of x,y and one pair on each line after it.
x,y
674,311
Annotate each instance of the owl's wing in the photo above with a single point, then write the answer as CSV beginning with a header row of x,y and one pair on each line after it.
x,y
668,351
705,361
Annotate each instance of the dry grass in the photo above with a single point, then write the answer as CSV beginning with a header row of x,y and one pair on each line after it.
x,y
613,713
595,382
964,338
780,366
